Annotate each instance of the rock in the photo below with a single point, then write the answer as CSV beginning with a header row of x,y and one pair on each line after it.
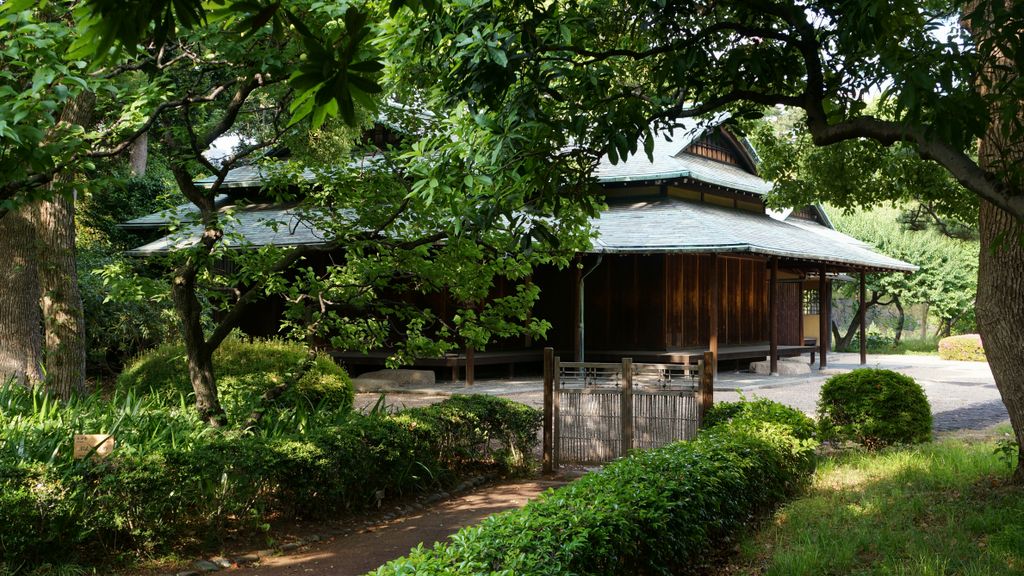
x,y
313,538
206,566
290,546
221,561
247,559
785,368
400,377
188,573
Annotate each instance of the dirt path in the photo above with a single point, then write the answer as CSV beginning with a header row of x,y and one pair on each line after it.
x,y
366,550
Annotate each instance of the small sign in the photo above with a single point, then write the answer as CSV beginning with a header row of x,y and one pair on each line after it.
x,y
84,444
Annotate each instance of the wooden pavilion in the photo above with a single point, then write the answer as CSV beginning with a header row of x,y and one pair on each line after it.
x,y
687,258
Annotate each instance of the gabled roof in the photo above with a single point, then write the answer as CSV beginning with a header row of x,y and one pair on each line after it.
x,y
672,162
671,225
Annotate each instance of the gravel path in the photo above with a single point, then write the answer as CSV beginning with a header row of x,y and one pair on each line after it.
x,y
963,395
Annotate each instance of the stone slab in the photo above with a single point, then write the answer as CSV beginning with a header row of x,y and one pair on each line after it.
x,y
398,377
785,368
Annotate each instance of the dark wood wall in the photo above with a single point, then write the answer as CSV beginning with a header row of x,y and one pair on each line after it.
x,y
742,305
791,314
657,302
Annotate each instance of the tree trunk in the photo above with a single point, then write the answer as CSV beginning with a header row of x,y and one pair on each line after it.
x,y
139,154
59,297
20,333
902,320
843,342
1000,300
197,351
1000,308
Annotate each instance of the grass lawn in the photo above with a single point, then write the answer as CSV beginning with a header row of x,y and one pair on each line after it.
x,y
938,509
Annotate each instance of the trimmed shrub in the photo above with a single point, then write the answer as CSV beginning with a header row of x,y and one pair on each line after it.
x,y
963,347
244,371
655,512
875,408
762,410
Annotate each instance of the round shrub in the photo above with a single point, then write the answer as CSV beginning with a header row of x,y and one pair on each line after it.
x,y
244,371
963,347
761,410
874,408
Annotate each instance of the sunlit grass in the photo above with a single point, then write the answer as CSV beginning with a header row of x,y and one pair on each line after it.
x,y
938,509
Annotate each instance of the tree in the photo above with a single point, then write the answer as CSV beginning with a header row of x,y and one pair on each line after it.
x,y
634,64
947,275
444,213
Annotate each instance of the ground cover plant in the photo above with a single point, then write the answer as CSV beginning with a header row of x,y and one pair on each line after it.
x,y
654,512
935,509
245,369
874,408
173,481
962,347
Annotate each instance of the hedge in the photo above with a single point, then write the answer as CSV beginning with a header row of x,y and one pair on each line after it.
x,y
147,498
657,511
963,347
762,410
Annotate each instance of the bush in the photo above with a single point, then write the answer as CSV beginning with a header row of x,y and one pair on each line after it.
x,y
762,410
655,512
172,479
875,408
963,347
244,371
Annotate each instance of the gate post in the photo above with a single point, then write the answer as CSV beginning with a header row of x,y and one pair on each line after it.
x,y
549,377
626,410
556,439
706,392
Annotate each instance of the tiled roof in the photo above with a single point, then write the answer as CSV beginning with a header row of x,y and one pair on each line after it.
x,y
669,162
663,226
254,227
183,213
677,226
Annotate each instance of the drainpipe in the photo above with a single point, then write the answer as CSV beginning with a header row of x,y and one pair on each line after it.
x,y
600,257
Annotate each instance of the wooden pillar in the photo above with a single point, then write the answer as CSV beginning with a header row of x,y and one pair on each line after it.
x,y
823,317
863,324
713,329
706,388
626,409
773,316
577,277
556,431
549,388
470,365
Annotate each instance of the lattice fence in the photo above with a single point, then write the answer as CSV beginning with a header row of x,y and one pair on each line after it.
x,y
595,412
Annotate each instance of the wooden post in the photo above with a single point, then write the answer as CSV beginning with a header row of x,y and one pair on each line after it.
x,y
576,318
706,390
549,387
863,324
822,319
626,409
470,365
556,439
773,316
713,329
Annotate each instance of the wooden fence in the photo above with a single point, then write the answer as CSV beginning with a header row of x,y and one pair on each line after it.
x,y
596,411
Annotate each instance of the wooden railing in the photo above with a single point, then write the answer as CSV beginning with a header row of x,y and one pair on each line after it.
x,y
597,411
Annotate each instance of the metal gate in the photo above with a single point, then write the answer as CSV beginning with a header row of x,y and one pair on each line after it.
x,y
595,412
